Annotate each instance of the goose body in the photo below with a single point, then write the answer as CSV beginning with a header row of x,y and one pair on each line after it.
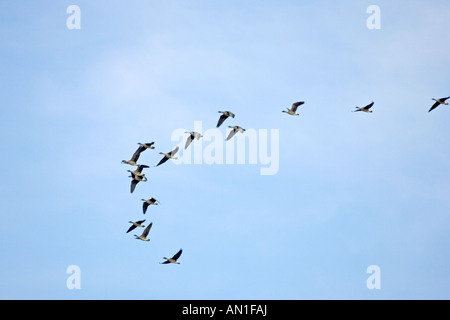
x,y
147,203
293,110
439,102
192,135
167,156
223,117
366,108
144,234
148,145
174,259
136,224
138,171
234,131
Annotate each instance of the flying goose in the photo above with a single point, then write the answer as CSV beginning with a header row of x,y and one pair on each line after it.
x,y
233,132
293,110
366,108
136,224
138,171
168,156
192,135
438,103
173,259
144,234
148,145
224,116
135,157
136,180
148,202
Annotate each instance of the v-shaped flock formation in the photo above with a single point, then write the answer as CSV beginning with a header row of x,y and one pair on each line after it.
x,y
138,176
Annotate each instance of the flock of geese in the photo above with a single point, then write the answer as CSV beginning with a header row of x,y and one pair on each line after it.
x,y
137,175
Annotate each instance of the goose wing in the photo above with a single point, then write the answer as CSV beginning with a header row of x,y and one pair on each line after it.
x,y
174,151
221,120
162,161
177,255
131,228
188,141
134,182
231,134
147,230
137,153
145,206
369,106
295,105
434,106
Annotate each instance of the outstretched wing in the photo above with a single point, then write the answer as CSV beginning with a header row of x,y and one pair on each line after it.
x,y
188,141
369,106
295,105
145,206
162,161
232,133
434,106
165,262
177,255
221,120
134,182
131,228
137,153
147,230
174,151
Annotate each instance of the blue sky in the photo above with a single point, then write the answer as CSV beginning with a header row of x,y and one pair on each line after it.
x,y
352,190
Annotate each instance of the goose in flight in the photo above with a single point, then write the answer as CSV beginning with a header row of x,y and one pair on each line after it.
x,y
233,132
167,156
293,110
138,171
439,102
148,202
148,145
136,224
366,108
224,116
136,180
135,157
174,259
144,234
192,135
